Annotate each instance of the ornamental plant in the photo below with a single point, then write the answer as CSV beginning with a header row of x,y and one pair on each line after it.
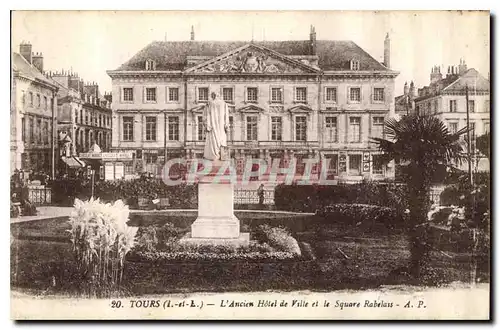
x,y
101,239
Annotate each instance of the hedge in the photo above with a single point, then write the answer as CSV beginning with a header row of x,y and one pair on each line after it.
x,y
180,196
361,215
302,198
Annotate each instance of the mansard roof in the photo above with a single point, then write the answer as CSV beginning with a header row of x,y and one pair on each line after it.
x,y
20,65
456,84
172,55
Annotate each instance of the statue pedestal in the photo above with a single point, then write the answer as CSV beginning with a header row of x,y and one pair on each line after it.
x,y
216,222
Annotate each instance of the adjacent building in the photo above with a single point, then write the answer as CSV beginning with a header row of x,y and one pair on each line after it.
x,y
33,113
310,98
445,97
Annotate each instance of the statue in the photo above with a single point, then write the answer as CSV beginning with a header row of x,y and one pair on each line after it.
x,y
216,121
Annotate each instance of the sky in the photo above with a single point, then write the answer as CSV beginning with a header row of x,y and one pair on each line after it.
x,y
91,42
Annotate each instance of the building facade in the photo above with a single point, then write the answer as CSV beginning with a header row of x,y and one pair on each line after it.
x,y
302,99
445,97
84,115
33,113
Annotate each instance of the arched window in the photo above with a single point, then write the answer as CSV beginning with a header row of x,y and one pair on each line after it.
x,y
355,64
150,65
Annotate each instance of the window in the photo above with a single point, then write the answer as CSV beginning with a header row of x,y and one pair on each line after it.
x,y
86,118
300,128
45,102
23,129
38,102
252,94
100,121
486,127
355,129
173,94
95,119
378,95
378,127
173,128
231,128
355,94
151,94
150,128
151,158
378,165
201,129
355,65
435,106
227,94
128,168
333,163
331,94
276,95
23,97
276,128
331,129
453,106
354,164
150,65
252,128
487,106
76,116
203,94
31,98
472,106
453,128
301,94
46,132
128,94
32,130
128,128
51,101
39,131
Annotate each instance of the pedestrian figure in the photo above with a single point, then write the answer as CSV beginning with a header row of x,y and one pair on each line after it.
x,y
260,193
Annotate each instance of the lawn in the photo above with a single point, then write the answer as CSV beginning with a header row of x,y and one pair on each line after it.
x,y
346,257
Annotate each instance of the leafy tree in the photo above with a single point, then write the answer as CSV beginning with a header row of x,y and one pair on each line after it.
x,y
483,144
422,145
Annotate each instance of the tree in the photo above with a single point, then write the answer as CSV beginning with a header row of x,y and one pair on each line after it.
x,y
422,145
483,144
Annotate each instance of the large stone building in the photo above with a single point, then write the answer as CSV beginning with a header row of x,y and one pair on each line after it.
x,y
33,113
84,114
445,98
302,99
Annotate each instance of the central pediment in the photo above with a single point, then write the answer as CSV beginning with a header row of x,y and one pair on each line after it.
x,y
252,59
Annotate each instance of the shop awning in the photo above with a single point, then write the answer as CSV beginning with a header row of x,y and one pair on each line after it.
x,y
73,162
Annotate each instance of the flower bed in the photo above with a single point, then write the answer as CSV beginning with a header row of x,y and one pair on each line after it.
x,y
160,244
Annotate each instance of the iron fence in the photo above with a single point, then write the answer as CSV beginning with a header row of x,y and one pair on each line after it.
x,y
39,195
245,196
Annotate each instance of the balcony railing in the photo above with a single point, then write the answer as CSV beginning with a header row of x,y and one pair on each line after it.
x,y
262,144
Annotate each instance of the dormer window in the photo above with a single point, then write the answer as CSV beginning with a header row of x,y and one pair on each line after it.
x,y
354,65
150,65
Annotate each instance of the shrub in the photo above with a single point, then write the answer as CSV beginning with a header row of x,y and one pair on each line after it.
x,y
361,214
147,239
101,239
310,198
279,238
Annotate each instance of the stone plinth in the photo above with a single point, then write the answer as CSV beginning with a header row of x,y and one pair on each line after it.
x,y
216,222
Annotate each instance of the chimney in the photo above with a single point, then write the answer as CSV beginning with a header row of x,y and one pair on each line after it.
x,y
38,61
387,51
192,33
462,67
413,90
312,39
25,51
436,74
405,89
